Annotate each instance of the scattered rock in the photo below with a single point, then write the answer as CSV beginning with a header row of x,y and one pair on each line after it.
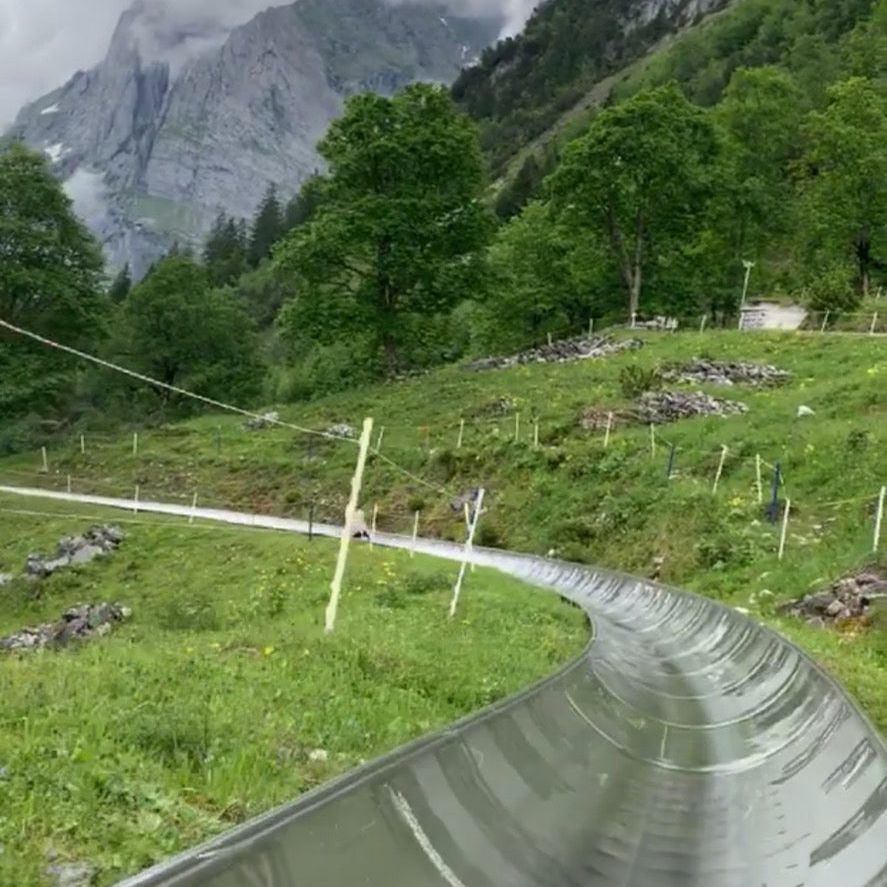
x,y
582,348
659,407
849,598
75,550
71,874
77,624
499,406
716,372
668,324
342,430
319,756
5,579
259,423
805,411
596,418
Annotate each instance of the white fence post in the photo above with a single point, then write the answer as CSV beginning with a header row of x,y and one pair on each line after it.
x,y
724,451
590,327
536,434
356,480
135,501
69,484
652,441
879,518
82,445
704,322
415,534
758,483
457,590
825,321
609,429
784,533
375,524
379,441
461,434
517,427
45,460
874,324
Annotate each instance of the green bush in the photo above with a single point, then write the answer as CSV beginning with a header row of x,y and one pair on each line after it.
x,y
634,380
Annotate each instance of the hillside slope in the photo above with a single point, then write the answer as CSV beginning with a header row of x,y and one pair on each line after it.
x,y
698,45
161,136
522,85
611,505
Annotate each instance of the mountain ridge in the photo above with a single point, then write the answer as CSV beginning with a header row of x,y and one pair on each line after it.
x,y
157,138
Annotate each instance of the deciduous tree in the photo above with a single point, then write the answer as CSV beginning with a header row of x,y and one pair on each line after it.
x,y
402,226
639,180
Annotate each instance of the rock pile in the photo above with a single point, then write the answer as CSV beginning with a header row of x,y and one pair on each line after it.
x,y
848,598
716,372
259,423
659,407
77,624
341,430
582,348
75,550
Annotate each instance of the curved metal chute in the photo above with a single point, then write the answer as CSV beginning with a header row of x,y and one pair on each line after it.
x,y
687,746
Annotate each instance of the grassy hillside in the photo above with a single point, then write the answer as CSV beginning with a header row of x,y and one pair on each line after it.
x,y
607,505
204,709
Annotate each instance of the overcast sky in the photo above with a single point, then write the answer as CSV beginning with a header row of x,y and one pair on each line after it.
x,y
43,42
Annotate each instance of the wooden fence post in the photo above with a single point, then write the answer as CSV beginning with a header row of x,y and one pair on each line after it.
x,y
356,481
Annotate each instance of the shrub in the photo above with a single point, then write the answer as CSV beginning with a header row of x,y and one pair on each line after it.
x,y
635,380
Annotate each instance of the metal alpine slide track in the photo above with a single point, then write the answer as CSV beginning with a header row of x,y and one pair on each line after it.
x,y
686,746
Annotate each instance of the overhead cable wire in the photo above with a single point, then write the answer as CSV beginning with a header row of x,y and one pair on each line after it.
x,y
141,377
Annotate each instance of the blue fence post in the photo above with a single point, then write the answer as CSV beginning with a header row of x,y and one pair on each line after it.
x,y
774,496
671,456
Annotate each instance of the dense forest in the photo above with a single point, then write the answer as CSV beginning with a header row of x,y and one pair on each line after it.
x,y
760,135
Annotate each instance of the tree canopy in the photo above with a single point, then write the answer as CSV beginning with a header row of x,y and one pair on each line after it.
x,y
50,282
639,180
401,228
177,329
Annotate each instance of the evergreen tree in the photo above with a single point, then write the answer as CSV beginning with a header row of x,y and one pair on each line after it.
x,y
267,227
304,205
225,252
120,286
516,195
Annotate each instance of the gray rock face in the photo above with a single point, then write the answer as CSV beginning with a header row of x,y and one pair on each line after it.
x,y
178,123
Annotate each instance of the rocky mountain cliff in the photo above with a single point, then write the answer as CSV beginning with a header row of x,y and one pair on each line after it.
x,y
182,120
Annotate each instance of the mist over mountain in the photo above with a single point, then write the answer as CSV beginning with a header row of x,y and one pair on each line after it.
x,y
194,110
